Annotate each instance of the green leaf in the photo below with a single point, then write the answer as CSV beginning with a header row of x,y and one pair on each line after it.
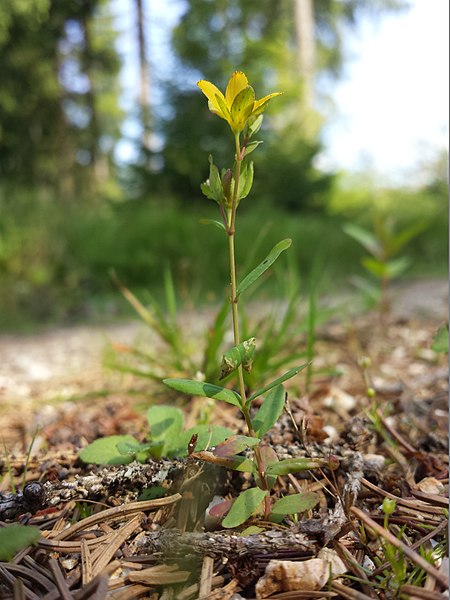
x,y
104,451
16,537
264,265
242,354
151,493
398,266
217,224
440,340
150,448
295,503
244,506
207,436
269,411
401,238
254,125
245,180
252,530
208,390
165,422
375,266
293,465
212,188
251,147
234,445
364,237
288,375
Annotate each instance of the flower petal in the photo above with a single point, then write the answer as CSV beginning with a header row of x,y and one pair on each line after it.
x,y
224,110
260,105
211,92
242,108
238,81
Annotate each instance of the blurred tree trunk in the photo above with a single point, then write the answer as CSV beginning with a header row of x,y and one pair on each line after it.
x,y
144,77
94,129
306,48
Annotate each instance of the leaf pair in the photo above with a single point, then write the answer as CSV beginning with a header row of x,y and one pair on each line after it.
x,y
220,187
216,392
249,502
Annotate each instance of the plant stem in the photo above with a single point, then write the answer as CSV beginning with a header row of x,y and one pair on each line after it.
x,y
235,316
234,297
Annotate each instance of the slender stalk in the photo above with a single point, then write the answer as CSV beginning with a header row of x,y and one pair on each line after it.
x,y
234,297
235,317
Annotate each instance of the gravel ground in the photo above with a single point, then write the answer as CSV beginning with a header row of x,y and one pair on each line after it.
x,y
66,361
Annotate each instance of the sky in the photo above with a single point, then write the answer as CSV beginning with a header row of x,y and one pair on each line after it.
x,y
391,108
389,111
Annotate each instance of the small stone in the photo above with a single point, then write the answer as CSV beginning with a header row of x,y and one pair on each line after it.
x,y
431,485
308,575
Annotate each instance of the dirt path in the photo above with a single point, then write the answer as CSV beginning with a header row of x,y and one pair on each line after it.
x,y
67,361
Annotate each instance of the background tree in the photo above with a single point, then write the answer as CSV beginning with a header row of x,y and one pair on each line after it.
x,y
144,75
284,45
59,115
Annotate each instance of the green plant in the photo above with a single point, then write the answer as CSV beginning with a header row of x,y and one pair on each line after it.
x,y
384,244
228,188
16,537
167,438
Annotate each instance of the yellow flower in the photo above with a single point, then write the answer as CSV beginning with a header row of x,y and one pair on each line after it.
x,y
238,104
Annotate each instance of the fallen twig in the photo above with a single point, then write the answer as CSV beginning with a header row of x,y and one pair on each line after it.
x,y
171,542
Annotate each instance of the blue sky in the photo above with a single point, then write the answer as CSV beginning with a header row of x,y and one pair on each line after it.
x,y
389,112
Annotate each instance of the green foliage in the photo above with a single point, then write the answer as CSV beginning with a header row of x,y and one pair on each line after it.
x,y
294,503
245,505
16,537
270,410
104,451
440,340
168,438
207,390
59,112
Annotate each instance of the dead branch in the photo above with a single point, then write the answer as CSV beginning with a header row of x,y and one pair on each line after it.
x,y
172,543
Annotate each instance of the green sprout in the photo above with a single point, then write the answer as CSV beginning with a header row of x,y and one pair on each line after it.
x,y
385,261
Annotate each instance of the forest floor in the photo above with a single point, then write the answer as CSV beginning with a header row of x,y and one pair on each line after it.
x,y
53,387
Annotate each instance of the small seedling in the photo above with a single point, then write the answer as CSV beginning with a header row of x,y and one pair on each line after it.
x,y
384,245
168,438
